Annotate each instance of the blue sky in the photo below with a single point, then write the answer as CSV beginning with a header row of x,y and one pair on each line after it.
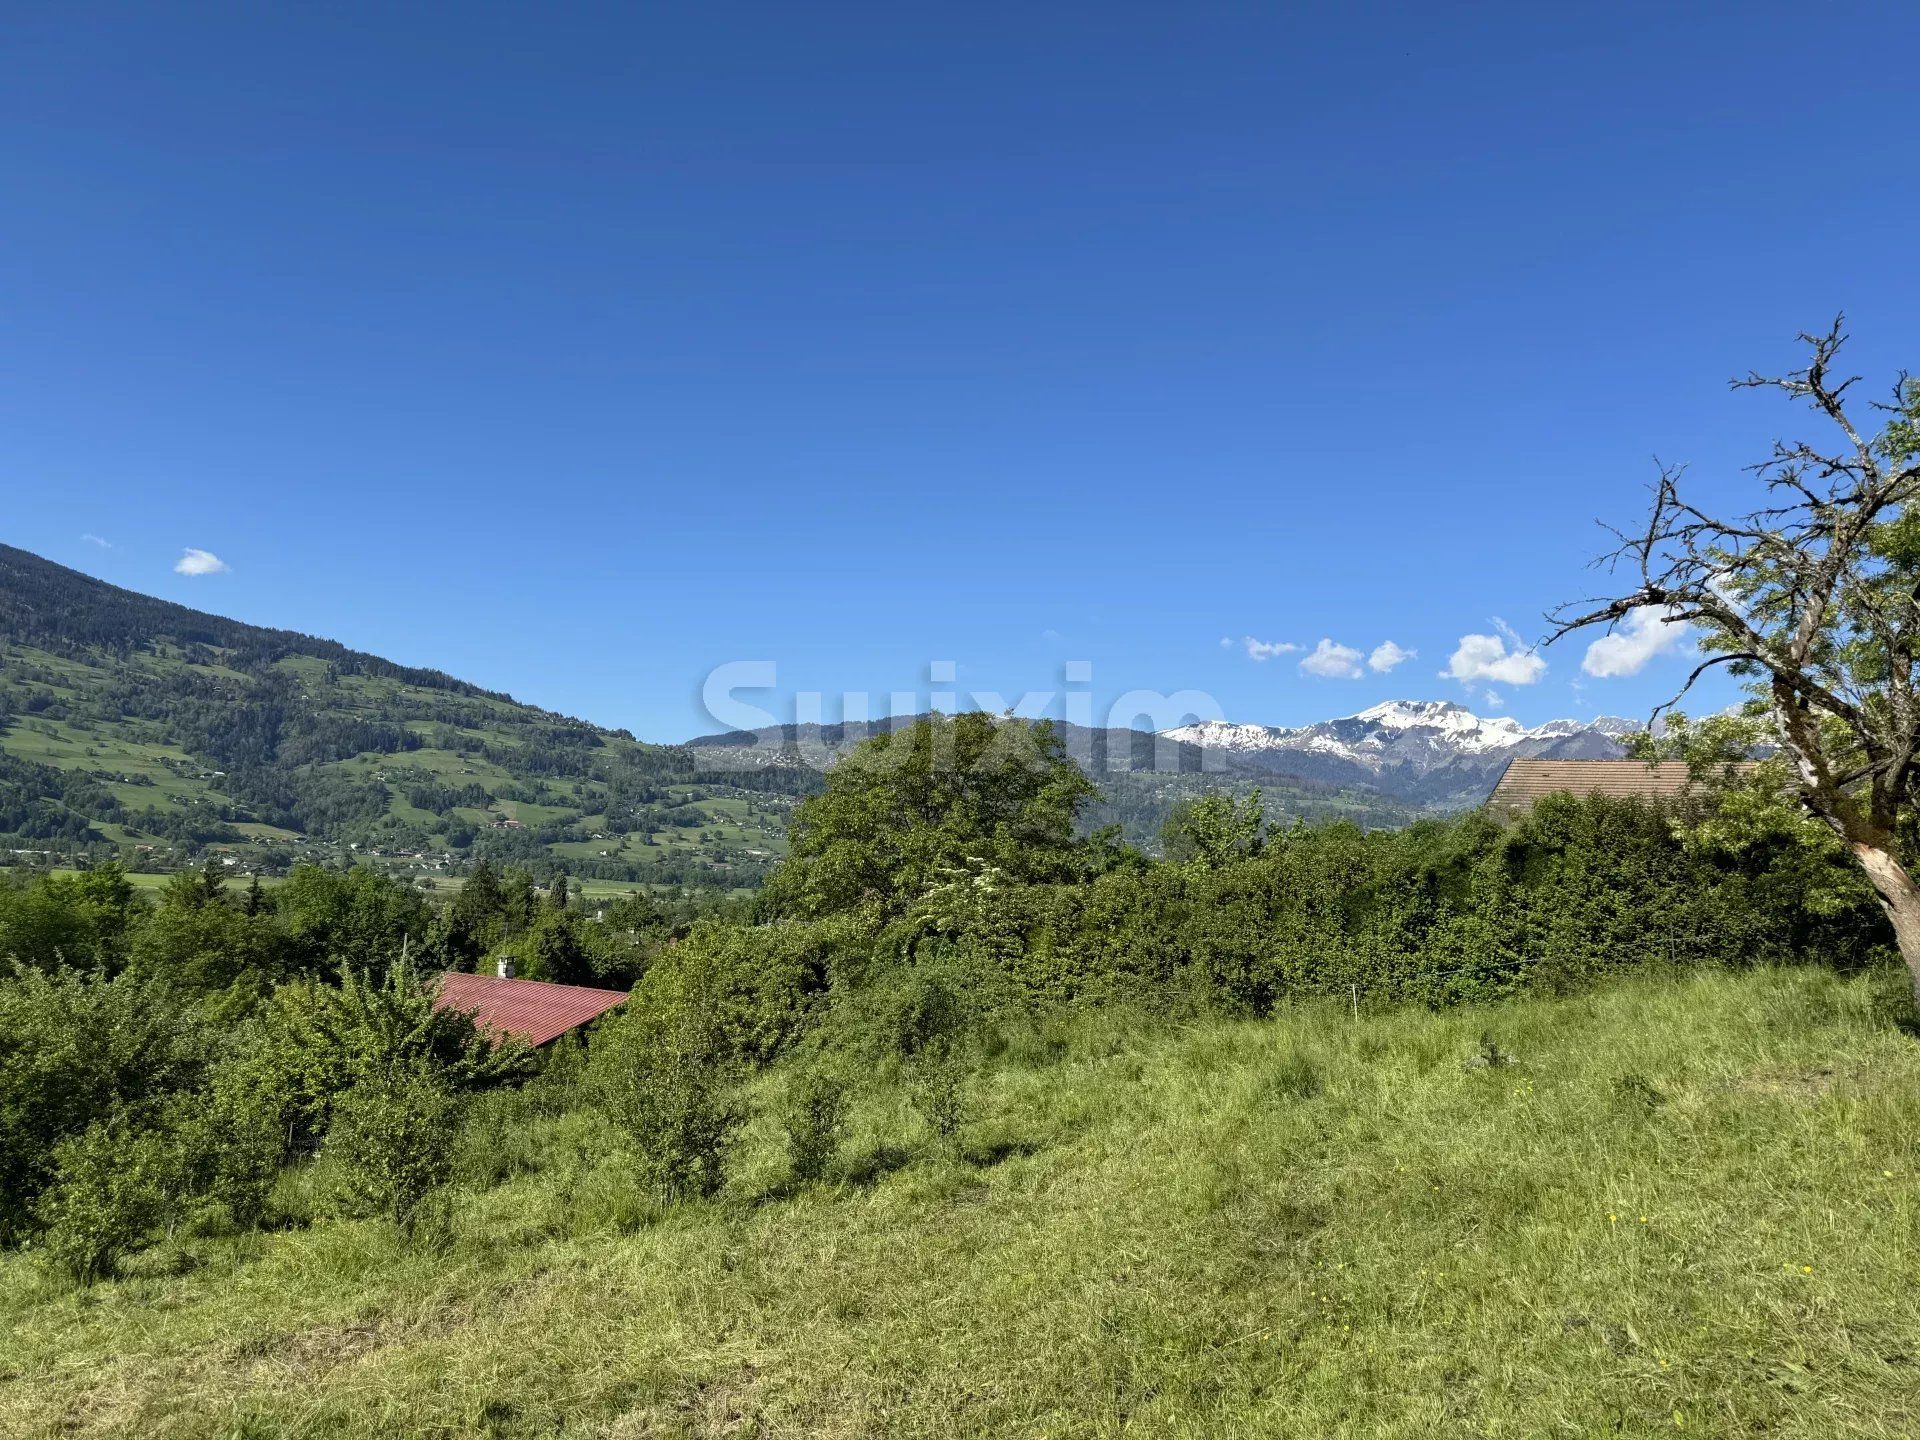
x,y
579,350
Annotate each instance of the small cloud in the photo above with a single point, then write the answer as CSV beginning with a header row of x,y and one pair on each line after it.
x,y
1226,642
1386,655
1494,700
1333,662
1486,657
1267,649
92,539
199,562
1646,631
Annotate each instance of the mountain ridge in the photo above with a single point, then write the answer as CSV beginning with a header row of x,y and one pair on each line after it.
x,y
1424,752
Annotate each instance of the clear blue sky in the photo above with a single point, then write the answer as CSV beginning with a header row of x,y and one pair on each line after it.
x,y
577,350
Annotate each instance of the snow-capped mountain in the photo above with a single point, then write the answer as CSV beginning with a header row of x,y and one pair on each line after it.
x,y
1428,752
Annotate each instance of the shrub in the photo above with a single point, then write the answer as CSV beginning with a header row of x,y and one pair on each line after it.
x,y
813,1115
234,1141
115,1187
79,1050
932,1033
316,1040
661,1072
392,1141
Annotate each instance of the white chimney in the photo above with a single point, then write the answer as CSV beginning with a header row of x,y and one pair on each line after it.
x,y
505,968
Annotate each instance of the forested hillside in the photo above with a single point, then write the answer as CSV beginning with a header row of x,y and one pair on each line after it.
x,y
134,726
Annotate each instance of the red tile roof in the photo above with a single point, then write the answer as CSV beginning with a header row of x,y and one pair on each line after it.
x,y
532,1009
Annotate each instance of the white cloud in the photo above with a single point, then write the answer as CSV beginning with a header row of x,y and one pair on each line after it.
x,y
199,562
1386,655
1267,649
1495,700
1486,657
93,539
1334,662
1644,633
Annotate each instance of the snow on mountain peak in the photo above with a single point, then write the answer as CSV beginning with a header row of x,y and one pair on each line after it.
x,y
1397,743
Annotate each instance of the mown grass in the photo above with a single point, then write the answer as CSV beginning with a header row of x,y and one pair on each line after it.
x,y
1673,1206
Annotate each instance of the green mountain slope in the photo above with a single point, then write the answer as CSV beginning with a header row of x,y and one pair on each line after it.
x,y
130,724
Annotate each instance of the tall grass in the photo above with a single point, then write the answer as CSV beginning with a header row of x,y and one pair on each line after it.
x,y
1677,1206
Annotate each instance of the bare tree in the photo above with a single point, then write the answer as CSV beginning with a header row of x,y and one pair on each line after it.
x,y
1815,598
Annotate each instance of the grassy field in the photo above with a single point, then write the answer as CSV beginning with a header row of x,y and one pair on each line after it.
x,y
1676,1207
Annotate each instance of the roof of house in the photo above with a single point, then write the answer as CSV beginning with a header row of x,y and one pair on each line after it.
x,y
1524,781
532,1009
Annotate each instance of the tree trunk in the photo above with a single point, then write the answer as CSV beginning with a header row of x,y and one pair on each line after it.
x,y
1901,899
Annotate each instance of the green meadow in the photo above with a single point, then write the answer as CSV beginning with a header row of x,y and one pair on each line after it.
x,y
1668,1206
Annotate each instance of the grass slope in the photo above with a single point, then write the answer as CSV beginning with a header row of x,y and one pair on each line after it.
x,y
1685,1207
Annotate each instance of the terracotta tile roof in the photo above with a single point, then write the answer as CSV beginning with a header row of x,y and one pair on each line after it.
x,y
1524,781
532,1009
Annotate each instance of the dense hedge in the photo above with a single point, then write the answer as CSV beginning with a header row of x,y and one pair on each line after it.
x,y
1442,913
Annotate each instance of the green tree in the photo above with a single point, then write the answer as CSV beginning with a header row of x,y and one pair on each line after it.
x,y
1214,830
920,806
355,917
316,1040
78,1050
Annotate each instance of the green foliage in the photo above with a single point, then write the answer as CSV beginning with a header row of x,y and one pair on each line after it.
x,y
944,797
933,1032
392,1141
316,1040
813,1116
562,948
764,985
234,1137
78,1051
348,917
1214,830
661,1071
116,1185
196,939
81,920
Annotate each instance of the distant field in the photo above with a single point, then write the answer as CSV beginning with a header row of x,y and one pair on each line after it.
x,y
593,889
141,881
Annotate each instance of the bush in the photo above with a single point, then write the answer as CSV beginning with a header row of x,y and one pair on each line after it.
x,y
115,1187
932,1033
234,1141
79,1050
316,1040
392,1141
813,1115
662,1073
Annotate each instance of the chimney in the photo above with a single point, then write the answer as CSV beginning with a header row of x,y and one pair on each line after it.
x,y
505,968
